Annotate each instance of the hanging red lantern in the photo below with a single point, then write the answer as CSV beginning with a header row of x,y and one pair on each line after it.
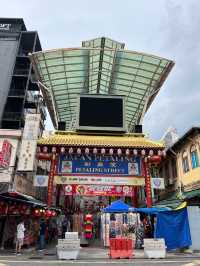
x,y
23,209
95,151
111,151
127,152
103,151
155,159
119,152
36,213
62,150
53,213
71,150
151,152
135,152
48,213
87,151
78,151
53,149
45,149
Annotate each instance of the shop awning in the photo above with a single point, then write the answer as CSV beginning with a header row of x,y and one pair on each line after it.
x,y
100,66
127,141
153,210
171,202
23,198
117,206
192,194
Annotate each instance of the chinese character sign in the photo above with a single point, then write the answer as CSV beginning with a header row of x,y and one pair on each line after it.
x,y
99,190
5,154
97,167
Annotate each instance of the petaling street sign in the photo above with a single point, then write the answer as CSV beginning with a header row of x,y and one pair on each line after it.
x,y
99,167
98,190
100,180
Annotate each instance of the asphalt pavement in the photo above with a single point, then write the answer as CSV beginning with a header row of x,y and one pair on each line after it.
x,y
136,262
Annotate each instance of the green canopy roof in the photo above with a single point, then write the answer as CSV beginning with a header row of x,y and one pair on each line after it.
x,y
100,66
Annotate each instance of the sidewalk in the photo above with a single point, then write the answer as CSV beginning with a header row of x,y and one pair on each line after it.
x,y
86,254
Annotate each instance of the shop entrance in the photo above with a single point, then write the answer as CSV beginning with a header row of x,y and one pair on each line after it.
x,y
83,214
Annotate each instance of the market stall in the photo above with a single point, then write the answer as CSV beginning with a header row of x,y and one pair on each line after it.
x,y
166,225
117,235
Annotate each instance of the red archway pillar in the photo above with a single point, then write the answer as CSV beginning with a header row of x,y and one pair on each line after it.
x,y
135,197
147,183
51,179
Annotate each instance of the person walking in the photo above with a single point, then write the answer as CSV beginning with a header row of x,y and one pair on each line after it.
x,y
65,226
20,237
42,235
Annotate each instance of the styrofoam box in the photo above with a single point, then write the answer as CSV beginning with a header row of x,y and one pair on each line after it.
x,y
68,246
154,248
71,235
155,254
68,254
66,241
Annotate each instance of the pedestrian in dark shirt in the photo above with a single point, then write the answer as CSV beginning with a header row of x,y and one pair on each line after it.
x,y
42,235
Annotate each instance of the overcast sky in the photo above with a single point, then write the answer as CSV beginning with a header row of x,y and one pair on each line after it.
x,y
167,28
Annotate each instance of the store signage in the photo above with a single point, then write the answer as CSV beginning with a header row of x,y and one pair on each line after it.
x,y
98,190
41,181
95,167
29,143
100,180
147,184
158,183
4,26
31,127
5,154
27,155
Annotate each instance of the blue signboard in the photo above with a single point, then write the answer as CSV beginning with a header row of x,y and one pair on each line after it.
x,y
100,167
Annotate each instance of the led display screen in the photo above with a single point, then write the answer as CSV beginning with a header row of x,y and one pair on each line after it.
x,y
101,113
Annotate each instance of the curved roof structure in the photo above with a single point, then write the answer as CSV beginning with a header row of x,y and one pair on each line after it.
x,y
126,141
100,66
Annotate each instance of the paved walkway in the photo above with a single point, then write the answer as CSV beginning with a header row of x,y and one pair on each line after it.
x,y
86,254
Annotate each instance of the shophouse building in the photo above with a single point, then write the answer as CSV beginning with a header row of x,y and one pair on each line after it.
x,y
181,169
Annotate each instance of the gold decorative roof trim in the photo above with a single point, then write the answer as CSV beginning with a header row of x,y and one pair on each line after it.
x,y
127,141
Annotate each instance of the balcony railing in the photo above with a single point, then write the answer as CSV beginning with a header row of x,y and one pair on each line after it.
x,y
21,71
16,93
12,116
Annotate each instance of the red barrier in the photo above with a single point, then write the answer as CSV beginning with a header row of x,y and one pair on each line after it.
x,y
121,248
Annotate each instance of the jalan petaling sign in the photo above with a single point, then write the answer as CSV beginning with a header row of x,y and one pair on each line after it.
x,y
97,167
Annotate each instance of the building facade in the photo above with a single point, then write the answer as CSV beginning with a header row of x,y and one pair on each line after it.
x,y
181,169
18,92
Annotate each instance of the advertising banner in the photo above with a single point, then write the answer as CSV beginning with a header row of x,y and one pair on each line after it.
x,y
97,167
8,153
29,143
158,183
27,155
5,154
98,190
100,180
41,181
31,127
